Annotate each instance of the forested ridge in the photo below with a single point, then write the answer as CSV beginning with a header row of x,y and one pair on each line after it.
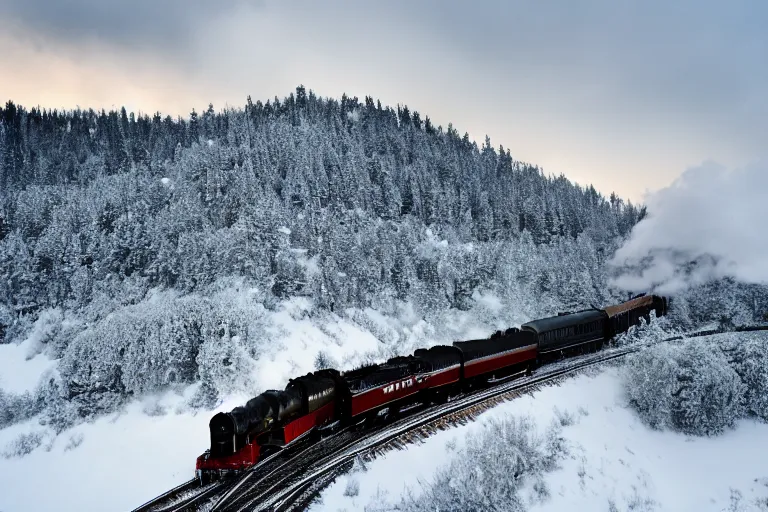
x,y
92,197
121,235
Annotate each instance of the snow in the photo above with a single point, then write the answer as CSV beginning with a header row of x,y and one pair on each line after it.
x,y
165,181
22,365
612,458
354,116
487,300
122,460
19,374
284,230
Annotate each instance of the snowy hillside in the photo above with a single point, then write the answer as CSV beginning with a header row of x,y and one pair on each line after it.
x,y
603,457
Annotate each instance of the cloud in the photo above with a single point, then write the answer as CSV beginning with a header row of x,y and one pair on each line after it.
x,y
617,93
709,224
158,24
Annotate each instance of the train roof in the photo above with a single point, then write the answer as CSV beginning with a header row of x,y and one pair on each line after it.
x,y
557,322
374,375
516,337
643,300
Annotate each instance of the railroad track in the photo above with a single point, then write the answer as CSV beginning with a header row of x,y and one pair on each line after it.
x,y
192,495
290,479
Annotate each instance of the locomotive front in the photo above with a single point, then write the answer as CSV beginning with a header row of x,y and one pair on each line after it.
x,y
269,421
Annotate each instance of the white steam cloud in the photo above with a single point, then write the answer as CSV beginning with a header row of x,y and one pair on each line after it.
x,y
710,223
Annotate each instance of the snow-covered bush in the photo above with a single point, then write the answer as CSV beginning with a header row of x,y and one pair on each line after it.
x,y
353,488
489,472
650,381
6,319
748,355
689,387
657,329
163,341
323,360
23,445
14,408
710,396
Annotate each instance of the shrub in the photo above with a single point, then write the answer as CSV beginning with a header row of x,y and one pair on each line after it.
x,y
688,387
748,356
488,473
23,445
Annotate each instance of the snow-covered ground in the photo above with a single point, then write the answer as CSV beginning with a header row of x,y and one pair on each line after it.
x,y
613,462
21,368
114,463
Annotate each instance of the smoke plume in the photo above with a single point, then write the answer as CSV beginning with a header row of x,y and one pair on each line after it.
x,y
709,224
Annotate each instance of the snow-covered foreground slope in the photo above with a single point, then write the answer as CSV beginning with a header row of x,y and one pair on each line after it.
x,y
612,461
115,463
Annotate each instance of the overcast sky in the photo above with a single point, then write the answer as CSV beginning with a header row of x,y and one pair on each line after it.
x,y
625,95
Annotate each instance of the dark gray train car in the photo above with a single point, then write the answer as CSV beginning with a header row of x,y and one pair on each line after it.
x,y
569,330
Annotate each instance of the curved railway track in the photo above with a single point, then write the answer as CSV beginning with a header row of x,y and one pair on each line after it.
x,y
290,479
297,493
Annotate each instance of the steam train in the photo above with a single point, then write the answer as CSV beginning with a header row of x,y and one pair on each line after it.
x,y
327,399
